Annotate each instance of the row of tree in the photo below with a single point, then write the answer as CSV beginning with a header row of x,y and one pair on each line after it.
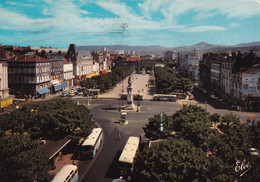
x,y
57,119
194,151
20,158
167,81
107,81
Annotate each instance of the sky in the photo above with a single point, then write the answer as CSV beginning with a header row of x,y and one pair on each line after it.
x,y
169,23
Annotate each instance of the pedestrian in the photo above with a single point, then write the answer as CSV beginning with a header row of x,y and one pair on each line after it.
x,y
140,138
119,136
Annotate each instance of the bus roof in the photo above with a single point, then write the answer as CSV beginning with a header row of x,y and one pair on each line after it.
x,y
64,173
129,151
91,139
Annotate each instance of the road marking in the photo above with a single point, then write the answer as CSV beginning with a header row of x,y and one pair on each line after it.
x,y
250,115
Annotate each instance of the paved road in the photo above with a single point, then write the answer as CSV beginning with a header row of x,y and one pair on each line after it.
x,y
106,113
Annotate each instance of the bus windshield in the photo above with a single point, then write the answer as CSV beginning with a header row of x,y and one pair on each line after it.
x,y
87,148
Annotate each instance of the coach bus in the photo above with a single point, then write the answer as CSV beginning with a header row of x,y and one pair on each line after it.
x,y
92,143
68,173
126,159
164,97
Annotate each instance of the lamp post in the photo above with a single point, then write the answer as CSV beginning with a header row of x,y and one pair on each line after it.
x,y
88,100
161,124
206,106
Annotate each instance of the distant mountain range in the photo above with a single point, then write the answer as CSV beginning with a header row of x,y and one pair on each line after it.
x,y
199,46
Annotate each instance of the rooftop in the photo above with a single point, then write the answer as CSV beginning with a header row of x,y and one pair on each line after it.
x,y
27,58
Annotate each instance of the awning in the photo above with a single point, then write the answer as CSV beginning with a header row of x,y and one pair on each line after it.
x,y
43,91
55,82
58,87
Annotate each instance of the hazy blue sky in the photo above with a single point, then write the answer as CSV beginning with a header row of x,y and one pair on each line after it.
x,y
58,23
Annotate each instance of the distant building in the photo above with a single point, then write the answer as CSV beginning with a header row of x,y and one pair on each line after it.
x,y
215,75
4,90
29,75
169,56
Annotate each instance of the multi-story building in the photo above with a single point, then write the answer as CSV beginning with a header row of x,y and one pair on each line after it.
x,y
29,75
246,88
68,73
57,76
226,78
82,66
4,90
215,76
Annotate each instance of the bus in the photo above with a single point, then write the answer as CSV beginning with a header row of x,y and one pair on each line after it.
x,y
69,173
126,159
92,143
164,97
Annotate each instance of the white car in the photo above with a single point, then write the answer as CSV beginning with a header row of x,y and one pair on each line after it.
x,y
71,93
213,96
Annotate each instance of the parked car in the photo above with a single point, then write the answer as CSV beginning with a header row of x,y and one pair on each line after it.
x,y
71,93
80,93
213,96
64,94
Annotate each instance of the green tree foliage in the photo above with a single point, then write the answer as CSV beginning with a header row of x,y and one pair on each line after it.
x,y
220,147
255,134
57,119
167,81
152,128
215,117
107,81
21,161
172,160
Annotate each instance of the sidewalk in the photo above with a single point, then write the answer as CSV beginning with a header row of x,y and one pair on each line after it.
x,y
140,86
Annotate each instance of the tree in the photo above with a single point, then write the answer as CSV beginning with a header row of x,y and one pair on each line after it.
x,y
88,83
223,147
215,117
20,160
152,129
57,119
171,160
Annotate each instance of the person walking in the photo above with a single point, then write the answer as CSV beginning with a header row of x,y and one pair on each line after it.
x,y
119,136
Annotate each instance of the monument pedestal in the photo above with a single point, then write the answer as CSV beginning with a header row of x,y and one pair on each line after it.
x,y
130,107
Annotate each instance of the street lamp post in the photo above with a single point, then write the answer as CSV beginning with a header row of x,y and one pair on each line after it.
x,y
88,100
161,124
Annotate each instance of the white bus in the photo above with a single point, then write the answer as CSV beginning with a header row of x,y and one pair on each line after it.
x,y
92,143
68,173
126,159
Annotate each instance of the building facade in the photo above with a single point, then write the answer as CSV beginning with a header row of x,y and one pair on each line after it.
x,y
4,90
68,73
57,74
29,75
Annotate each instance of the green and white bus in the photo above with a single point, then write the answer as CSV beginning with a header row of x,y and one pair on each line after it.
x,y
68,173
92,143
126,159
